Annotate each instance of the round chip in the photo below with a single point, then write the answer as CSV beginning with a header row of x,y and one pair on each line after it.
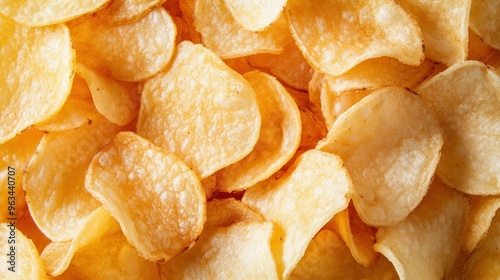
x,y
485,21
255,15
125,11
158,201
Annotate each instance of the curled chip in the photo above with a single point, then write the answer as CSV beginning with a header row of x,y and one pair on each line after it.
x,y
158,201
255,15
130,52
117,101
37,70
54,178
426,244
334,36
278,140
20,259
300,202
466,97
390,143
223,35
38,13
201,110
240,251
229,211
444,26
485,21
482,211
125,11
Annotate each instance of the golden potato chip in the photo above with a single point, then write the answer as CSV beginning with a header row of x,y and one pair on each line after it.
x,y
57,255
327,257
209,185
478,50
466,99
255,15
201,110
117,101
482,211
223,35
125,11
38,13
14,155
426,244
37,70
334,36
444,25
129,52
279,136
19,256
485,21
74,113
54,178
229,211
300,202
289,66
31,231
390,143
239,65
240,251
185,31
484,263
158,201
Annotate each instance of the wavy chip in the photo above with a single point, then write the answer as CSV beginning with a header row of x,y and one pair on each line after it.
x,y
466,97
158,201
335,36
125,11
210,121
37,71
485,21
300,202
390,143
255,15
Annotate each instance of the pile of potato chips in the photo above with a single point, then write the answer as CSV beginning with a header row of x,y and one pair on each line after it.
x,y
232,139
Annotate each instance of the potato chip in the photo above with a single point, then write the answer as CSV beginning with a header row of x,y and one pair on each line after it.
x,y
37,70
334,36
240,251
125,11
54,178
19,258
228,211
130,52
74,113
158,201
185,31
255,15
209,185
466,98
210,121
117,101
300,202
279,136
484,263
390,143
426,244
327,257
478,50
485,21
38,13
482,211
224,36
32,232
14,155
239,65
289,66
444,25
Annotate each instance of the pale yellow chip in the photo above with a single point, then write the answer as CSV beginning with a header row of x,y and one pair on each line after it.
x,y
300,202
38,13
426,244
130,52
390,143
327,257
74,113
482,211
444,25
201,110
117,101
37,70
279,136
334,36
125,11
229,211
240,251
289,66
485,21
20,259
484,263
158,201
223,35
54,178
466,98
255,15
